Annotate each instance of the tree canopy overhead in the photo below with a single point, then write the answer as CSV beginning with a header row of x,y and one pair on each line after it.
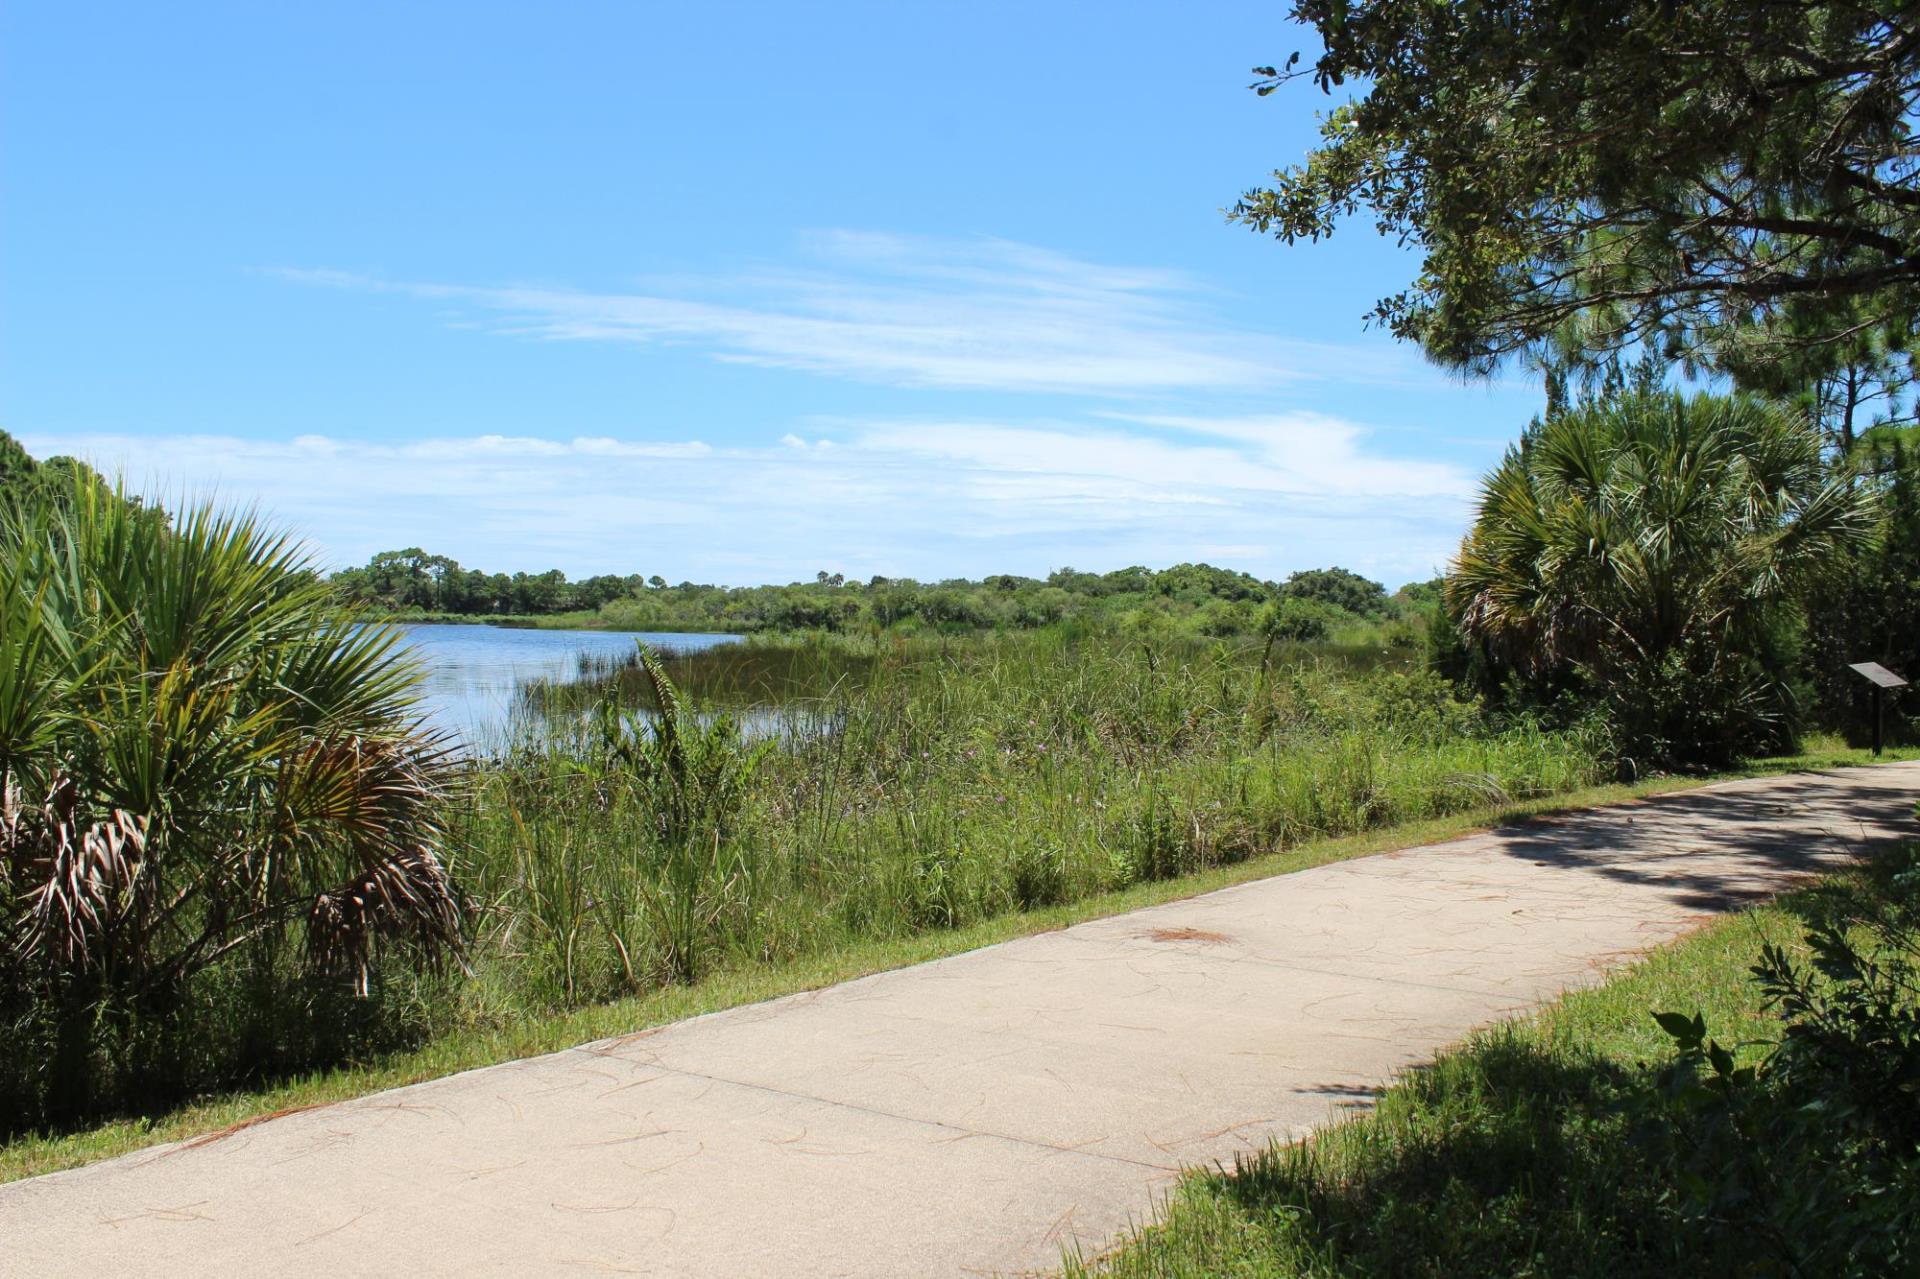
x,y
1732,184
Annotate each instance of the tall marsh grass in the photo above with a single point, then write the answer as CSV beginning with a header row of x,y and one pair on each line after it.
x,y
892,786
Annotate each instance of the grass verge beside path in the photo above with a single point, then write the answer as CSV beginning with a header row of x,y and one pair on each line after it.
x,y
476,1047
1508,1156
1535,1148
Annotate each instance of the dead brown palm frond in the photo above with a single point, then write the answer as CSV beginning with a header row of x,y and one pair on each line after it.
x,y
73,872
407,896
13,818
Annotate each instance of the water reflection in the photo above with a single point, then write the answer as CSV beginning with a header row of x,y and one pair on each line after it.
x,y
472,671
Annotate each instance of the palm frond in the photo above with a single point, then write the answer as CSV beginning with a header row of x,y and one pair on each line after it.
x,y
1623,532
406,896
224,750
74,872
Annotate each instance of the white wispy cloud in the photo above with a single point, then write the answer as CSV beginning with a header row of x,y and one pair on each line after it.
x,y
979,314
927,499
1299,455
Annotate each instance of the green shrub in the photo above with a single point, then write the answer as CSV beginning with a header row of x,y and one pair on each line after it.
x,y
1808,1161
937,889
1653,547
1038,874
1294,620
1155,844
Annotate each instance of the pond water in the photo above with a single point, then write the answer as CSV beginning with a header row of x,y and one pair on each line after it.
x,y
472,671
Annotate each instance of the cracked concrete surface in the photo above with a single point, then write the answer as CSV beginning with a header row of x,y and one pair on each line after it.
x,y
974,1115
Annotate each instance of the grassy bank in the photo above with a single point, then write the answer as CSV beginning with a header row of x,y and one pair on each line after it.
x,y
920,786
478,1027
1553,1146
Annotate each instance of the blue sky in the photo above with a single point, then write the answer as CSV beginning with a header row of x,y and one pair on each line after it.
x,y
727,292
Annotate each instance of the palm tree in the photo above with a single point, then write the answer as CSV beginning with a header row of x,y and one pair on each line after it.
x,y
1649,544
199,753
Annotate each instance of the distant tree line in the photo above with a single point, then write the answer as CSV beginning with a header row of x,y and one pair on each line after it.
x,y
414,581
1198,598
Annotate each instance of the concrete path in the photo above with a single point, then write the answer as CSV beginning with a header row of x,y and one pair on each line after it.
x,y
968,1116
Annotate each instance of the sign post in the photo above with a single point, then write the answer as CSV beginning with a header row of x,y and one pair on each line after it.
x,y
1882,679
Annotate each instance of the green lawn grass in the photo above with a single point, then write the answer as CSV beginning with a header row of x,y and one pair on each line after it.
x,y
489,1040
1516,1153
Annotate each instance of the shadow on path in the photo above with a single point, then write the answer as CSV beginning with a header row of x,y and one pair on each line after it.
x,y
1718,851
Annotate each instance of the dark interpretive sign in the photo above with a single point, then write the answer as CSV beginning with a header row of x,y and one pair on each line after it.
x,y
1879,674
1882,679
